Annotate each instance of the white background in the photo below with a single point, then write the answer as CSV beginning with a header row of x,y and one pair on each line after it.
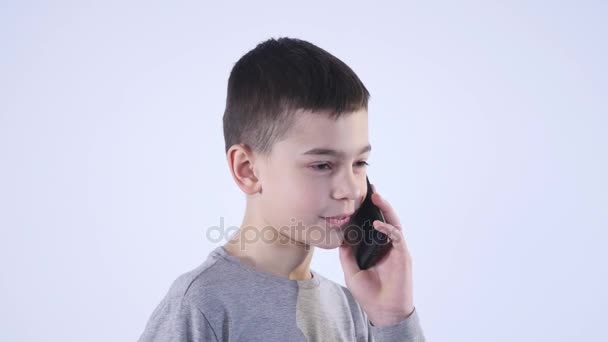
x,y
488,121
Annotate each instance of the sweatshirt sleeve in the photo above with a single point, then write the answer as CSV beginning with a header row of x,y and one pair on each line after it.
x,y
408,330
175,320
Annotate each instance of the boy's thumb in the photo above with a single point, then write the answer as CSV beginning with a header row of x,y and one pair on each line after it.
x,y
348,261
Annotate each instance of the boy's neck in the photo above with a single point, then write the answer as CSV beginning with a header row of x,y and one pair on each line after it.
x,y
290,259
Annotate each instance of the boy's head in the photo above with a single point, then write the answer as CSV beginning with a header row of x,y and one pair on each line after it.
x,y
296,139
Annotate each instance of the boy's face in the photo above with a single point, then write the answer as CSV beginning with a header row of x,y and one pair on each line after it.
x,y
317,171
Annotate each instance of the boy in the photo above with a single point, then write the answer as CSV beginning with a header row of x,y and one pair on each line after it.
x,y
296,138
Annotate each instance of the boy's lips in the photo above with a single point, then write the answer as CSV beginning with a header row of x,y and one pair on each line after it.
x,y
337,221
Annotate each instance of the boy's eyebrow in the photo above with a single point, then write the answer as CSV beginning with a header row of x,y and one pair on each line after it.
x,y
330,152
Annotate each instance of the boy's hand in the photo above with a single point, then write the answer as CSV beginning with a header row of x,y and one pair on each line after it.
x,y
384,290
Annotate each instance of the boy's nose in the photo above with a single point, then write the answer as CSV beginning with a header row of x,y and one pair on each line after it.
x,y
347,187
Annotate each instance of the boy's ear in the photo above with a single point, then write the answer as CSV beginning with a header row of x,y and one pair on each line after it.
x,y
241,163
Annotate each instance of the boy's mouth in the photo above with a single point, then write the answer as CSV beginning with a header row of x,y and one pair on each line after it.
x,y
337,221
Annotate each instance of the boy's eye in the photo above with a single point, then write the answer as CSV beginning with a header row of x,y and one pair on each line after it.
x,y
327,166
324,166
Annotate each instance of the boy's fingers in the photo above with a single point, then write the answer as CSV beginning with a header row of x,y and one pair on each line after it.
x,y
348,261
387,210
394,234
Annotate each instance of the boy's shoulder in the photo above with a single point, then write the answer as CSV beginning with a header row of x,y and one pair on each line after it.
x,y
230,298
213,273
222,279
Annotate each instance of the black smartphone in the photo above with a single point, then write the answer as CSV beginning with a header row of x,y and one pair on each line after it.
x,y
369,244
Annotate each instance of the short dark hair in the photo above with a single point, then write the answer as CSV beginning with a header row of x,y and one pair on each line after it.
x,y
278,77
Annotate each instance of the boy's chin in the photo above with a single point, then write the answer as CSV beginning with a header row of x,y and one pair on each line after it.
x,y
327,246
332,241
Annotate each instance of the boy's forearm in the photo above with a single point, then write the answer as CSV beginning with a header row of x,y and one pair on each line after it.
x,y
406,330
383,319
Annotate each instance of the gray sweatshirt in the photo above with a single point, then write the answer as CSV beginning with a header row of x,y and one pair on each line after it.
x,y
224,299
